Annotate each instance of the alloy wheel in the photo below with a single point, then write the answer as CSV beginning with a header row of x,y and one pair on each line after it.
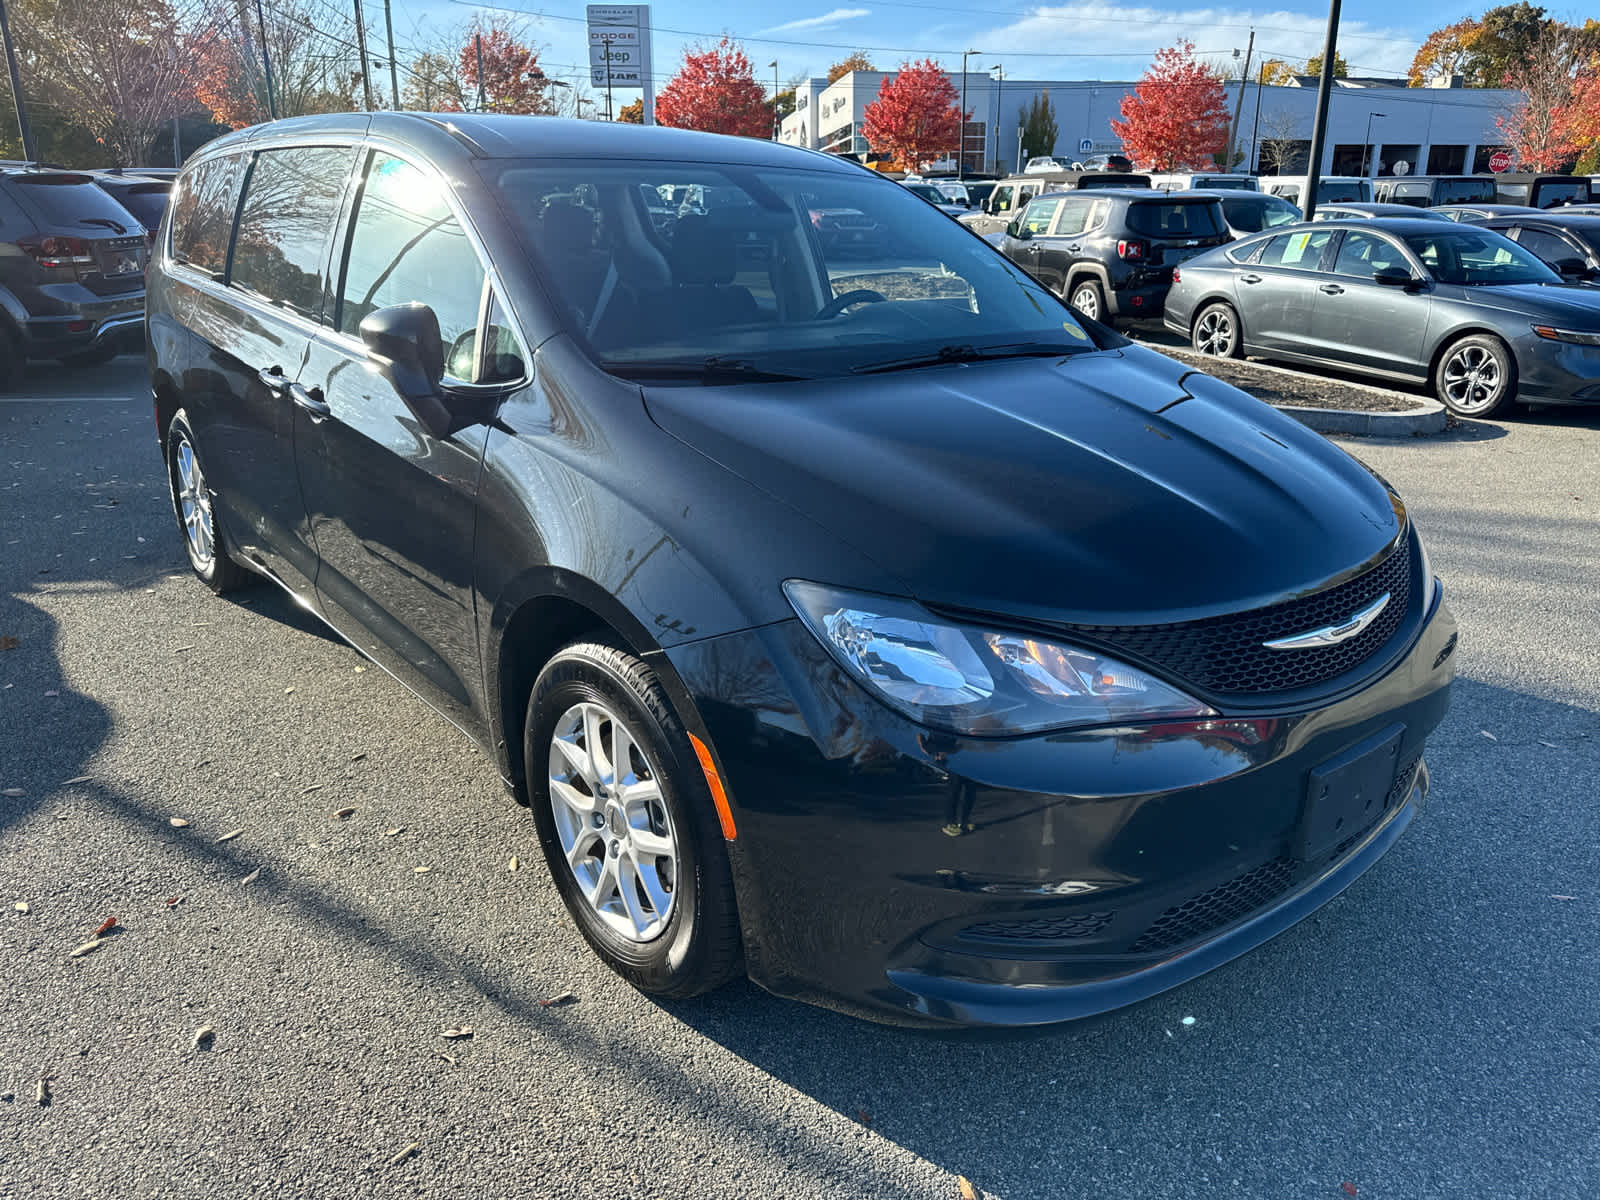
x,y
1214,333
1087,301
612,822
1472,379
194,504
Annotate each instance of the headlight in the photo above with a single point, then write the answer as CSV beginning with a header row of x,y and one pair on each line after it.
x,y
1577,337
970,680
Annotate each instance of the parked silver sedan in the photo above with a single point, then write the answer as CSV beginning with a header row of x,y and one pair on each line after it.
x,y
1419,300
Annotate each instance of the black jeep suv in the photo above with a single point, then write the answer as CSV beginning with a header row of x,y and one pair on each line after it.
x,y
1110,254
72,265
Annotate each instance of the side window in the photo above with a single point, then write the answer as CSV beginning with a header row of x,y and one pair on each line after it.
x,y
503,357
291,204
1074,216
406,245
1303,250
1363,255
1039,215
1546,246
1002,199
202,214
1097,215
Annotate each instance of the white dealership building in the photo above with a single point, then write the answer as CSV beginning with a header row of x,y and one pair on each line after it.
x,y
1439,130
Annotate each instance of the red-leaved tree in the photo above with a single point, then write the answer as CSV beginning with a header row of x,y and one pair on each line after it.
x,y
916,116
716,91
1177,115
513,81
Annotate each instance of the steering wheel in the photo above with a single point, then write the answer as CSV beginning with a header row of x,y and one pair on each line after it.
x,y
839,303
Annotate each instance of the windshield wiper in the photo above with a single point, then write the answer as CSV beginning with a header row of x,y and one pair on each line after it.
x,y
967,354
106,221
716,369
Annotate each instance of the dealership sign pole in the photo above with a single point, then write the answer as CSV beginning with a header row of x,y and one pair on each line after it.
x,y
619,51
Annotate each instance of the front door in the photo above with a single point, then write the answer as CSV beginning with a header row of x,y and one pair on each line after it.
x,y
391,506
1363,322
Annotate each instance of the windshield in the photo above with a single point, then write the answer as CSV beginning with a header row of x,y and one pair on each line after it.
x,y
1474,257
1252,216
928,192
1463,191
798,272
1185,219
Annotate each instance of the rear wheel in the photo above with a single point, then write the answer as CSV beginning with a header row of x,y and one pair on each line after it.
x,y
627,823
203,540
1216,331
1476,377
1089,298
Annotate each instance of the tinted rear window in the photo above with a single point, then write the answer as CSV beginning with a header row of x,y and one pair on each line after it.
x,y
1459,191
1565,191
202,220
1189,219
70,201
147,201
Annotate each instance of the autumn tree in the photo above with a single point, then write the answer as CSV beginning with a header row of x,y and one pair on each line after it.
x,y
1276,72
313,69
1447,51
632,114
716,91
915,117
1177,115
855,61
1039,131
1543,126
434,83
511,80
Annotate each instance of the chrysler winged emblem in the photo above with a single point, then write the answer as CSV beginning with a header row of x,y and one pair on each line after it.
x,y
1332,635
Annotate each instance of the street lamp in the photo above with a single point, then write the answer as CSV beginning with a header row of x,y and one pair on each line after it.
x,y
1366,146
998,74
961,151
777,123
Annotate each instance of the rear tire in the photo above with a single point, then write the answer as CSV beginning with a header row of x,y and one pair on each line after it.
x,y
203,540
1089,298
1476,377
627,823
1216,331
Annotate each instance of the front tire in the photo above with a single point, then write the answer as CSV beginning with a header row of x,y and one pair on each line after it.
x,y
1476,377
1216,331
627,824
1089,298
203,539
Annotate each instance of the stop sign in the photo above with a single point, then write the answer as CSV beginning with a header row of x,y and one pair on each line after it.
x,y
1499,161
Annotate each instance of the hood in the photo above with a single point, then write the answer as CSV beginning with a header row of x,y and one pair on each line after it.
x,y
1102,488
1552,301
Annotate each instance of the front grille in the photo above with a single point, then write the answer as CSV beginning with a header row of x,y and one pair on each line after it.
x,y
1064,928
1221,905
1402,784
1226,656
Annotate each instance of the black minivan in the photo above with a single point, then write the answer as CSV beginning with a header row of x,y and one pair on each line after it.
x,y
879,627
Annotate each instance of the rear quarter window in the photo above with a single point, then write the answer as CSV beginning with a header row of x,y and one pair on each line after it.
x,y
202,214
1188,219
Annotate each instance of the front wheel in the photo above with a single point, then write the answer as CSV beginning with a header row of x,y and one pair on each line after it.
x,y
627,823
1216,331
1089,299
1476,377
203,540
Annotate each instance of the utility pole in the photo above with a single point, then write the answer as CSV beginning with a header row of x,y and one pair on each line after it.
x,y
361,49
777,122
266,61
477,41
999,77
609,115
961,151
1238,109
394,73
1319,127
1255,128
23,127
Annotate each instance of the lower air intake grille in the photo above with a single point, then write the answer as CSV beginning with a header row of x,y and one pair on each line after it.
x,y
1222,905
1039,929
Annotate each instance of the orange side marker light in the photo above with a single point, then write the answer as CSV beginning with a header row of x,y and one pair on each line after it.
x,y
719,795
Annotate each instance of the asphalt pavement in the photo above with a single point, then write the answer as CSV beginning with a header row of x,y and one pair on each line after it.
x,y
1433,1033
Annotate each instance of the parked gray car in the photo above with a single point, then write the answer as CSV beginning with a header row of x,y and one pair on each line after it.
x,y
1423,301
1371,210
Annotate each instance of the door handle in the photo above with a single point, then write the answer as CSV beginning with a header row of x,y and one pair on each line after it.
x,y
272,379
1249,279
1073,249
1331,289
310,399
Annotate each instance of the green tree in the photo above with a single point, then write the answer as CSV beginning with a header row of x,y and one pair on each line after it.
x,y
1039,130
1508,35
1341,69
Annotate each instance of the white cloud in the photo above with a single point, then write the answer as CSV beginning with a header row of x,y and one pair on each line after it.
x,y
824,21
1086,31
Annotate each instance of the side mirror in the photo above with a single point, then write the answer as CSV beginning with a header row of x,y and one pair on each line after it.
x,y
1572,268
1395,277
1019,231
404,346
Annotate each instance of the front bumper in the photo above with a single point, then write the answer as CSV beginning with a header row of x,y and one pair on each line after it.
x,y
1557,372
921,878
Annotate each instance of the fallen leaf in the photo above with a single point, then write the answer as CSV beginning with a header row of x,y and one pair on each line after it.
x,y
315,787
88,947
41,1093
181,649
174,901
230,835
203,1038
358,757
344,814
78,779
513,864
252,877
395,830
287,690
966,1189
463,1031
13,792
359,670
557,1000
1555,897
22,907
106,927
1549,745
420,870
1492,738
177,822
1348,1188
863,1116
405,1154
7,642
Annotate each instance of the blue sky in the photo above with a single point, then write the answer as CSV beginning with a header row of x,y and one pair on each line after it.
x,y
1082,40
